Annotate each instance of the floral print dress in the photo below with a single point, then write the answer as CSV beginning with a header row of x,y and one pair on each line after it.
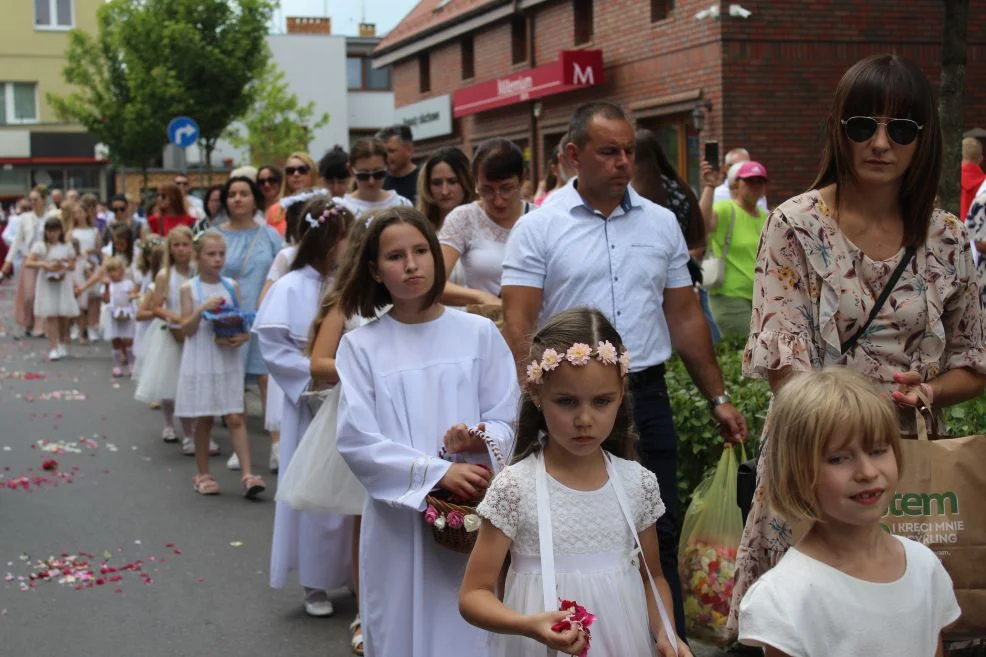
x,y
813,289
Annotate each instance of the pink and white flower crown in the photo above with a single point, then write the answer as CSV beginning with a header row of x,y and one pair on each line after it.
x,y
578,355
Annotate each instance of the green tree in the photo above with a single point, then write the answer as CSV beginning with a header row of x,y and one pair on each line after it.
x,y
277,124
118,92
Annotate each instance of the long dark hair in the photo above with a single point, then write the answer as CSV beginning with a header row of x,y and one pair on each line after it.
x,y
361,294
459,164
888,85
123,230
315,247
651,163
588,326
333,296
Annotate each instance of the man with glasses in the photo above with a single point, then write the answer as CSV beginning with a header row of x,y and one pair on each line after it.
x,y
598,243
121,214
402,173
192,203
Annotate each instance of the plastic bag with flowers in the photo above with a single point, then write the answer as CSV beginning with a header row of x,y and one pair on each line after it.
x,y
710,537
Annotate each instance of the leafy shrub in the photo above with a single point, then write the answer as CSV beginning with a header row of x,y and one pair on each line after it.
x,y
699,442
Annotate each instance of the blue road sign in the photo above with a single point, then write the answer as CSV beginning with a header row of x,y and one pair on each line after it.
x,y
183,131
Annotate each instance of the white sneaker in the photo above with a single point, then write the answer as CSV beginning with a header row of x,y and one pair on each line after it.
x,y
93,335
233,463
213,448
275,457
317,604
187,446
63,350
54,354
73,333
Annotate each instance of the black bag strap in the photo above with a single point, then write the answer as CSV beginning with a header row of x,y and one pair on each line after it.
x,y
880,300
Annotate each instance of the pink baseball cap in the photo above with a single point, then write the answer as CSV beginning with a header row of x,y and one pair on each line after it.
x,y
752,169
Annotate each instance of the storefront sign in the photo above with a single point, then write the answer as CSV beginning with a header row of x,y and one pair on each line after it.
x,y
427,119
575,69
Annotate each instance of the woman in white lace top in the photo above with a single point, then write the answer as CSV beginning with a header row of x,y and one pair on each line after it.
x,y
476,234
572,511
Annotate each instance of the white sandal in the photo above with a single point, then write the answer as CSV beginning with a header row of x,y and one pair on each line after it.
x,y
356,627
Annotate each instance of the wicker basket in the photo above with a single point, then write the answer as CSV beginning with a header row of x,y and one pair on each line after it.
x,y
229,322
458,539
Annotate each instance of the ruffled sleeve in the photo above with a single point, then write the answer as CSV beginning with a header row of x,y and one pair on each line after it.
x,y
962,312
781,329
501,505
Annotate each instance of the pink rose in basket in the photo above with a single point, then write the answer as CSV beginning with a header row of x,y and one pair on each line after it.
x,y
431,515
455,519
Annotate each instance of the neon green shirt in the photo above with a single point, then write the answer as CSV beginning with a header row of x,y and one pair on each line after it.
x,y
742,255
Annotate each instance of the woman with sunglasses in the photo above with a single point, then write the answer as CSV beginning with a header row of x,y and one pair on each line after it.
x,y
368,163
171,211
867,224
475,234
299,174
269,179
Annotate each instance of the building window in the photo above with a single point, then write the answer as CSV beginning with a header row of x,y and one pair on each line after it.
x,y
377,79
582,10
660,9
518,39
424,73
53,14
19,102
468,58
354,72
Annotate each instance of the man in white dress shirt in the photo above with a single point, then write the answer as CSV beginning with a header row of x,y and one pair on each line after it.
x,y
596,242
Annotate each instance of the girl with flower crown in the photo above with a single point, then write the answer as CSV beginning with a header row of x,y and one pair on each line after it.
x,y
413,381
316,545
575,512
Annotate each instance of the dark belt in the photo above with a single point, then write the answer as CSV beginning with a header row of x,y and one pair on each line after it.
x,y
653,374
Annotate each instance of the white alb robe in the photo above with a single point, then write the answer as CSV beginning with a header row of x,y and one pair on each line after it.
x,y
317,545
403,387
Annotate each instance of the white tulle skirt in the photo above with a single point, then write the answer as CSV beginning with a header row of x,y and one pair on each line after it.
x,y
608,585
159,365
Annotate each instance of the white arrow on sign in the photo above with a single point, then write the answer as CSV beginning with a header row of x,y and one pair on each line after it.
x,y
185,130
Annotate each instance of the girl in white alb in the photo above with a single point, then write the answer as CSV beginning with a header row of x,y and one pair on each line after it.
x,y
212,372
417,374
87,237
159,381
848,587
316,545
147,264
576,516
54,293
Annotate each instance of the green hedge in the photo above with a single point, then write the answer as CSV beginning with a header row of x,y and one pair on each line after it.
x,y
699,443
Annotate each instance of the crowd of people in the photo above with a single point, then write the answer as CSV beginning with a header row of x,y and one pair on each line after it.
x,y
356,293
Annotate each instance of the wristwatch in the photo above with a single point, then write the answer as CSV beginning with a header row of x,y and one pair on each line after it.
x,y
718,401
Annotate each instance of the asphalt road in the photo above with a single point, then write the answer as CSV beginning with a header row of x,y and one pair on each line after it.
x,y
191,573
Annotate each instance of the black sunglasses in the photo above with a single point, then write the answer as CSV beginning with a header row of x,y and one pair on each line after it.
x,y
363,176
303,169
861,129
268,181
119,208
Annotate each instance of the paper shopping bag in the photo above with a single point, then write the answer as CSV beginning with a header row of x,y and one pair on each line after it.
x,y
939,501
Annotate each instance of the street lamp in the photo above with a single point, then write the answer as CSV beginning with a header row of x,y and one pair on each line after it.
x,y
698,118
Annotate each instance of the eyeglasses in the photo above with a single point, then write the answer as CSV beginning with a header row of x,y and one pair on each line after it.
x,y
302,170
119,208
861,129
363,176
506,192
268,181
181,183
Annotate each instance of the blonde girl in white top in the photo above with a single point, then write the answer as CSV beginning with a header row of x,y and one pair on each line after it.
x,y
848,587
90,244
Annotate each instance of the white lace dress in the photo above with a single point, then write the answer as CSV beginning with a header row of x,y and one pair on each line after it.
x,y
162,353
481,244
595,556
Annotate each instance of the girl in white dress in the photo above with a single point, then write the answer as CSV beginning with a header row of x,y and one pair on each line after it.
x,y
413,380
149,262
573,510
120,294
316,545
212,373
89,242
121,247
54,297
848,586
159,381
368,162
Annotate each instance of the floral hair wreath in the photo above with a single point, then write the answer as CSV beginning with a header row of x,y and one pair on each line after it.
x,y
578,355
331,212
288,201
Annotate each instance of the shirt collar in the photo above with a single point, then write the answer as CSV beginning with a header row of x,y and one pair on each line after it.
x,y
573,199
